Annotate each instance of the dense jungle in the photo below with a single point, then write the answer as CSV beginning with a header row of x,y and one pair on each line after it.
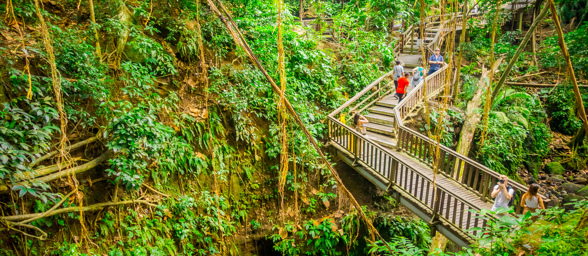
x,y
254,127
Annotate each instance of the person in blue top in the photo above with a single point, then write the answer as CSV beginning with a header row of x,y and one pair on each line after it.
x,y
435,61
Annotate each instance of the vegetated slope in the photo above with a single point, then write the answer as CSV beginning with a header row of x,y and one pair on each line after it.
x,y
171,133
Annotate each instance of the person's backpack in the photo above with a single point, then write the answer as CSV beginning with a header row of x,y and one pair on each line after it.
x,y
511,202
417,75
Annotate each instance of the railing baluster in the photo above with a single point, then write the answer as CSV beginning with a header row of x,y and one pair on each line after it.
x,y
461,216
454,220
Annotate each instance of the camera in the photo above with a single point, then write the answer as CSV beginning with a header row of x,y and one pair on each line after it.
x,y
501,181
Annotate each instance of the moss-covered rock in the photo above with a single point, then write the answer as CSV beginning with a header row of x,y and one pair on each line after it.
x,y
575,189
554,168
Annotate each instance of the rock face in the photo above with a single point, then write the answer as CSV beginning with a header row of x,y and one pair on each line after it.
x,y
572,188
554,168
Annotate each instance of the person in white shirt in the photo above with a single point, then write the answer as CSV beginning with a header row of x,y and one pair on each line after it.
x,y
398,73
502,193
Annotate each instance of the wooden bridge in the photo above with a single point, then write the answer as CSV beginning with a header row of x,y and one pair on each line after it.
x,y
399,159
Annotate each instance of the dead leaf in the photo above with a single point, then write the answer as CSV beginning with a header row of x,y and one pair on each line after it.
x,y
314,191
283,233
326,203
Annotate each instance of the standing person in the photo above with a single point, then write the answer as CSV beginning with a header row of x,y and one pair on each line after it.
x,y
435,61
417,75
402,89
398,71
360,122
531,201
502,194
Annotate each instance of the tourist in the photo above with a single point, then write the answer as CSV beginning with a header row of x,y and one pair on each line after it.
x,y
435,61
531,201
502,193
417,75
402,89
398,71
360,122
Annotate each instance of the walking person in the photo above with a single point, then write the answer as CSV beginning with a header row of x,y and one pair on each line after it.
x,y
398,71
531,201
417,75
502,194
402,88
435,61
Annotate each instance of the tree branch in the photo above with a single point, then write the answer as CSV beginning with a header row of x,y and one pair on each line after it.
x,y
94,207
72,147
79,169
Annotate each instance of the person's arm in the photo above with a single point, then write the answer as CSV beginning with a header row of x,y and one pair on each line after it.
x,y
364,119
496,191
431,61
523,200
507,193
540,202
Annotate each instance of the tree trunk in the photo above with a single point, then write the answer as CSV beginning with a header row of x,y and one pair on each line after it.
x,y
518,52
566,54
438,241
460,56
578,139
93,18
301,12
472,115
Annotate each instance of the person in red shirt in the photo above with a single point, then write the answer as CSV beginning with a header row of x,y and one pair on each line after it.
x,y
401,90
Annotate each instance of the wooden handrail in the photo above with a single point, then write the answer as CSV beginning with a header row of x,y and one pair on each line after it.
x,y
361,93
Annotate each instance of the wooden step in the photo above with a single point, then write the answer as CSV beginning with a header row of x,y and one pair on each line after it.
x,y
380,119
381,129
387,103
381,139
382,110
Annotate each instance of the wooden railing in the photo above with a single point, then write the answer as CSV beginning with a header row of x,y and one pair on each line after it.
x,y
404,177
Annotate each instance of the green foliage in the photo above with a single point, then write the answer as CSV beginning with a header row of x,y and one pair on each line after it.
x,y
413,233
321,238
561,104
516,130
25,134
138,140
452,119
553,232
551,56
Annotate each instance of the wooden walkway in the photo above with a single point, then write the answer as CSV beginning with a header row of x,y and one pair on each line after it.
x,y
449,193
